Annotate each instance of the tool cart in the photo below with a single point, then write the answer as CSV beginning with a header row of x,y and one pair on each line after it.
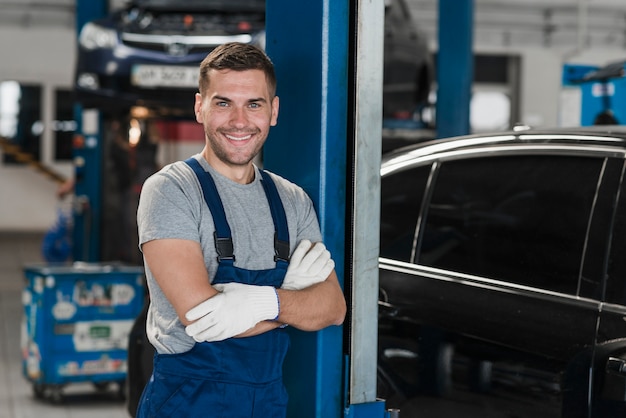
x,y
76,323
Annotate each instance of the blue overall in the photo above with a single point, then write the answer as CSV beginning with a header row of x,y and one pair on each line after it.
x,y
237,377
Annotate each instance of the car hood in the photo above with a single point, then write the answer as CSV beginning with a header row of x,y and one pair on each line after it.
x,y
172,17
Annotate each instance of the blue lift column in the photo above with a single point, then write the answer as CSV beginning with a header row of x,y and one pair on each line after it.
x,y
328,57
87,157
455,67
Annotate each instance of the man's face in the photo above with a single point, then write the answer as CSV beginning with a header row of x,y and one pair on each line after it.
x,y
237,112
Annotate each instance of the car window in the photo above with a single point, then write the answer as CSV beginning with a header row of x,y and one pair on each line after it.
x,y
521,219
597,247
616,283
401,199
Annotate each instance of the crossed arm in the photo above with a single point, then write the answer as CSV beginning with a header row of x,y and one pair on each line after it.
x,y
178,267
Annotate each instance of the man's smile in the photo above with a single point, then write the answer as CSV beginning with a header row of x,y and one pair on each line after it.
x,y
238,138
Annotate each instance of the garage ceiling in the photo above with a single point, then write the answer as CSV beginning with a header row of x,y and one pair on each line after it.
x,y
537,23
498,23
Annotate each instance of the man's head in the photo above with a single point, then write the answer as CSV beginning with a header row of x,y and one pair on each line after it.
x,y
238,57
236,105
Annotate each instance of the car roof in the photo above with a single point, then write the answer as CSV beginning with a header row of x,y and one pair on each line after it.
x,y
605,137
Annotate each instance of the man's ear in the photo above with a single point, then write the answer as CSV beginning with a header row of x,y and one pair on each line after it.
x,y
275,105
197,107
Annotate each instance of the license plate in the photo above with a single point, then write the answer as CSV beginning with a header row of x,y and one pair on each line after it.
x,y
164,76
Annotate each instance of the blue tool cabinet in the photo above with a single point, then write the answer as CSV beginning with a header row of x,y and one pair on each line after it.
x,y
76,324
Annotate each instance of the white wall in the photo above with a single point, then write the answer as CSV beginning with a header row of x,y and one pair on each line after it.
x,y
541,75
44,56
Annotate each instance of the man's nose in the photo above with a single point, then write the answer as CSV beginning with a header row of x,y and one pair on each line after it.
x,y
239,117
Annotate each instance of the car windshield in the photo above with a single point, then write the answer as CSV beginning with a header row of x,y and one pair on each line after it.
x,y
190,5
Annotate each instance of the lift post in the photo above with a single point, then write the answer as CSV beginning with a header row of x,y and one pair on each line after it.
x,y
328,140
455,67
87,157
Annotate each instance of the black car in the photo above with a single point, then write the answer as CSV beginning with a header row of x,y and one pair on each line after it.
x,y
502,275
148,54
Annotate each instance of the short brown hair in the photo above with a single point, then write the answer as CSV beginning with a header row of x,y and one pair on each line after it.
x,y
237,56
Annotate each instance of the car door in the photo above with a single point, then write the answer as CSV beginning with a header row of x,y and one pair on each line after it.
x,y
609,377
494,283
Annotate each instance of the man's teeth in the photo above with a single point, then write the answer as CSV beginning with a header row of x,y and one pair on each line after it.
x,y
238,138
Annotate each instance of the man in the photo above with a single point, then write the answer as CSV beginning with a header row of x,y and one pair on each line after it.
x,y
216,235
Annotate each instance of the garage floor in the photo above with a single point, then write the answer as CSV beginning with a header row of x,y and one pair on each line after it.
x,y
16,397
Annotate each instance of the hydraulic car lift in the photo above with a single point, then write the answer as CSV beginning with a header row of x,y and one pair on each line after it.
x,y
328,56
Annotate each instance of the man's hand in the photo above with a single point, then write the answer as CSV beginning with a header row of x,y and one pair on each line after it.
x,y
237,308
309,264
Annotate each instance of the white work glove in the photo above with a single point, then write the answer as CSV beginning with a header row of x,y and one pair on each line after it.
x,y
237,308
308,265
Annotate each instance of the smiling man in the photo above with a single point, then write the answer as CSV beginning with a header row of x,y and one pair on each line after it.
x,y
233,254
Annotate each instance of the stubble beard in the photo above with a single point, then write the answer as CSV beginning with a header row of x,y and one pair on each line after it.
x,y
235,159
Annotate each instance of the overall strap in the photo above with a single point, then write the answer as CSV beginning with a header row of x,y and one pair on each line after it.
x,y
223,236
281,237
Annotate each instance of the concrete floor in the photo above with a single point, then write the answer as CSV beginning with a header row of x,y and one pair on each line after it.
x,y
16,393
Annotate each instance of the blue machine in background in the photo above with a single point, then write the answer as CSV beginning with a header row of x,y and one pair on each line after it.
x,y
594,95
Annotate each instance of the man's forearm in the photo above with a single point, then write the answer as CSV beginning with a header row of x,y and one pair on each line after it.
x,y
260,328
315,307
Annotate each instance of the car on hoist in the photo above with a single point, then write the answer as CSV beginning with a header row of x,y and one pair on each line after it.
x,y
148,53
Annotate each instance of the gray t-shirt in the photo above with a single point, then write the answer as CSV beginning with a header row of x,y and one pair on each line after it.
x,y
172,206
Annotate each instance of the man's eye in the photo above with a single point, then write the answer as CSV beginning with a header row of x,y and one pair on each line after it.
x,y
221,104
255,105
